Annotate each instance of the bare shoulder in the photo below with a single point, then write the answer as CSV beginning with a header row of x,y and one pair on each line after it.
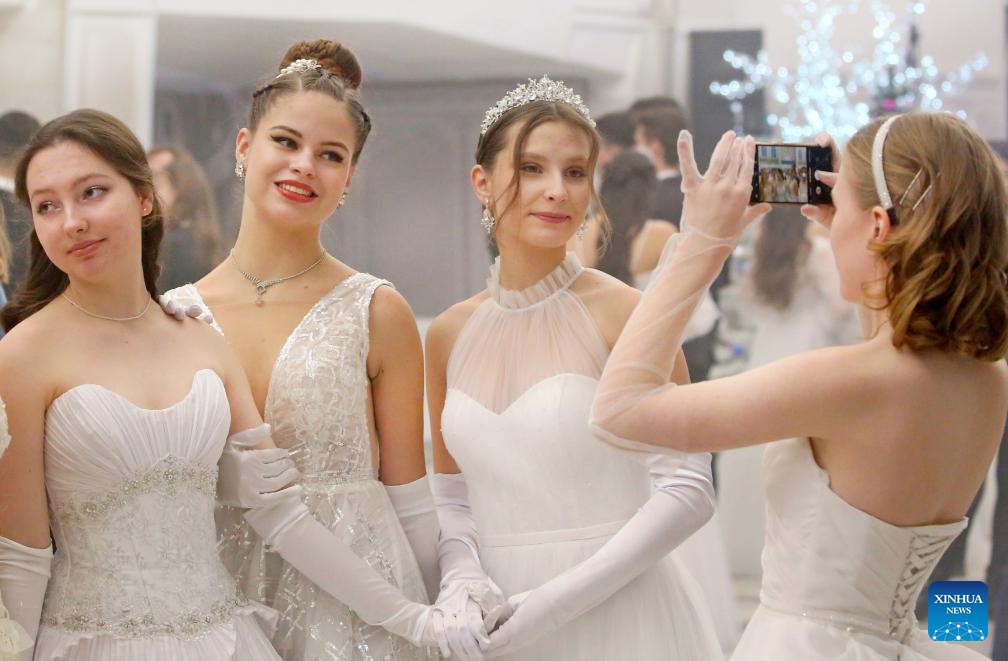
x,y
390,310
29,355
446,326
609,301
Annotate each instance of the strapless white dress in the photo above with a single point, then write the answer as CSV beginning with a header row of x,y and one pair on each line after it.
x,y
838,583
136,573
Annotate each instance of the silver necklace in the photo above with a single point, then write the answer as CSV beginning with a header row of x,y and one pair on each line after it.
x,y
101,316
262,285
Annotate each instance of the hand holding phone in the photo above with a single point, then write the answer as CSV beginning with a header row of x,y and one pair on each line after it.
x,y
784,173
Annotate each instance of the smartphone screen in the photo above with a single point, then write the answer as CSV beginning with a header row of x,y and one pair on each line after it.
x,y
785,174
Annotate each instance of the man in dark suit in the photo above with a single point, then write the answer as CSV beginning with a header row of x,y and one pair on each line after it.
x,y
655,134
16,129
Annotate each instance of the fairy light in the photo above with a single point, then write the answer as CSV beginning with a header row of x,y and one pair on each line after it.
x,y
837,90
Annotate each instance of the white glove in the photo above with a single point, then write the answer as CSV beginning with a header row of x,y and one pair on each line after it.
x,y
682,503
458,555
289,529
249,477
180,311
24,575
414,506
638,369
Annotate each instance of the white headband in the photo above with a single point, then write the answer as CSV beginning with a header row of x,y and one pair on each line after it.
x,y
876,163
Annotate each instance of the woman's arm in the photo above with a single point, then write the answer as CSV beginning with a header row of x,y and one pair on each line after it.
x,y
637,408
395,367
25,551
396,370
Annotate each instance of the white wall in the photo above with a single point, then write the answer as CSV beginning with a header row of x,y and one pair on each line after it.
x,y
31,57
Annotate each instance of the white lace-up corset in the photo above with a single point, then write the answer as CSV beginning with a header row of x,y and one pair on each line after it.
x,y
831,562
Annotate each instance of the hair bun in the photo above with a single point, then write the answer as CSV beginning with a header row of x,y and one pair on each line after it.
x,y
334,57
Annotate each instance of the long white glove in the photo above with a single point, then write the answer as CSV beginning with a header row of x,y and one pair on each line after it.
x,y
249,478
24,575
180,311
465,587
640,364
290,530
682,502
414,505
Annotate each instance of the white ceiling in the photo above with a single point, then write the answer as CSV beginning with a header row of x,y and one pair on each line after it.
x,y
230,53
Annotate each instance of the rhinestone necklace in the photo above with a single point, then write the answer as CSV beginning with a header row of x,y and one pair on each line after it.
x,y
101,316
262,285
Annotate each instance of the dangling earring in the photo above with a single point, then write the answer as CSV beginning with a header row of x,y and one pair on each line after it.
x,y
240,169
341,200
582,228
487,220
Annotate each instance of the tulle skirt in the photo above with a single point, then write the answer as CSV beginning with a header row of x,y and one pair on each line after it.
x,y
660,615
244,638
771,636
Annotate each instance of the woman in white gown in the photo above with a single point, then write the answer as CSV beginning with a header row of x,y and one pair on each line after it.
x,y
567,527
336,368
891,437
129,477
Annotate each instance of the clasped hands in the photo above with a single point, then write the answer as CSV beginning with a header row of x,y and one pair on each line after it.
x,y
480,622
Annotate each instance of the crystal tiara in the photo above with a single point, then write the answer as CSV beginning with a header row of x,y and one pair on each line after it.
x,y
299,66
544,89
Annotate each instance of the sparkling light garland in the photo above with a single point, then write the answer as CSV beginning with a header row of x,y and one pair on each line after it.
x,y
838,90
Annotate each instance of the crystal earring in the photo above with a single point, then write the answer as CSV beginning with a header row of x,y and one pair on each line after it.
x,y
582,228
487,220
342,200
240,169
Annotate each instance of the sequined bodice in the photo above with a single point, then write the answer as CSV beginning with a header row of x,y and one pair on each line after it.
x,y
827,560
131,499
319,392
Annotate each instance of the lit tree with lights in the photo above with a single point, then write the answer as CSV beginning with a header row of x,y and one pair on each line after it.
x,y
838,90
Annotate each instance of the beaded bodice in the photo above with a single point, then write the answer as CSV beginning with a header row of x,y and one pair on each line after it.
x,y
826,560
131,501
319,392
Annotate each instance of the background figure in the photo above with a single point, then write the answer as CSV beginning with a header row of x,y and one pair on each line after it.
x,y
616,137
655,102
192,242
655,134
627,194
16,128
791,298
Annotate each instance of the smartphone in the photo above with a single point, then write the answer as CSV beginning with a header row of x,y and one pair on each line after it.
x,y
785,174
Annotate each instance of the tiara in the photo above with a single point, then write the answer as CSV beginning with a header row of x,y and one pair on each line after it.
x,y
300,66
544,89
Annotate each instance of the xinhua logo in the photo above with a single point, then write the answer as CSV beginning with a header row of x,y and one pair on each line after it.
x,y
957,611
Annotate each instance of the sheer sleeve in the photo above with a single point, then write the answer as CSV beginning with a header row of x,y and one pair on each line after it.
x,y
628,411
643,358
